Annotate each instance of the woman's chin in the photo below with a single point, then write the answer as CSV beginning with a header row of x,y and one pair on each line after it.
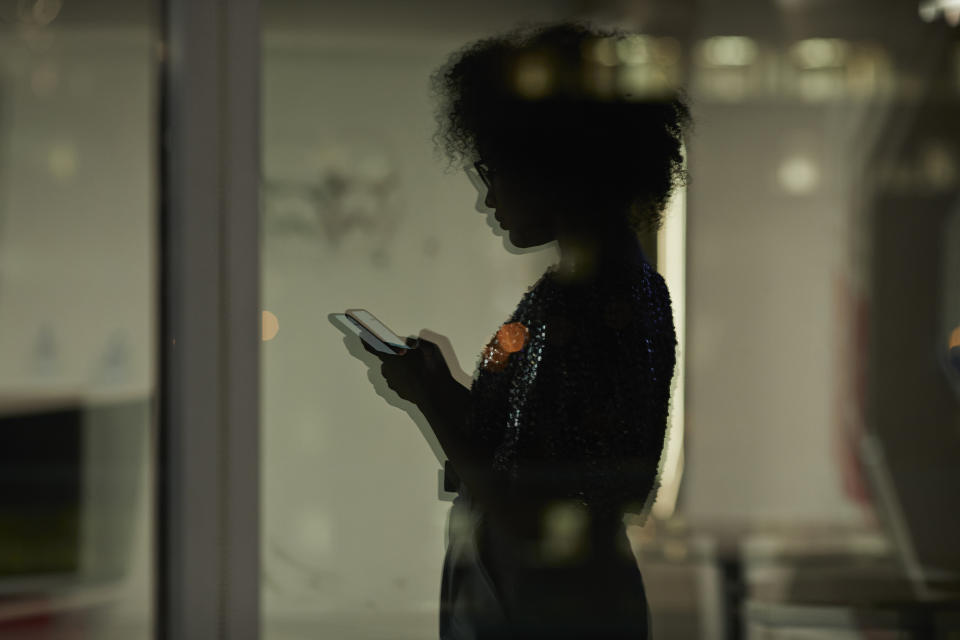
x,y
519,240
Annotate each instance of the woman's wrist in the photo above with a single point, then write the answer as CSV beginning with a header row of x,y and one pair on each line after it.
x,y
449,405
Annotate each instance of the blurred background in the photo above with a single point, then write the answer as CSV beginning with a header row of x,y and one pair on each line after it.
x,y
812,470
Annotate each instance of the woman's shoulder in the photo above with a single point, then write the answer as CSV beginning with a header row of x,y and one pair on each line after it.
x,y
625,302
636,282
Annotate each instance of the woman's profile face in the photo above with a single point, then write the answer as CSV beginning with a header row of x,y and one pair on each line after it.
x,y
524,212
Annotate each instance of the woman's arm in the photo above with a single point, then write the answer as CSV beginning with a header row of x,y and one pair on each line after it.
x,y
422,376
510,505
470,456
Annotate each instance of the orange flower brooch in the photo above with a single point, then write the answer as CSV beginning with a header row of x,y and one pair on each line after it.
x,y
510,338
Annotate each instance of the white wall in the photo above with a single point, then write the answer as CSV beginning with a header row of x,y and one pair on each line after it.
x,y
764,326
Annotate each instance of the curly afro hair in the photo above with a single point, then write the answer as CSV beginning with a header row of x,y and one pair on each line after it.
x,y
548,104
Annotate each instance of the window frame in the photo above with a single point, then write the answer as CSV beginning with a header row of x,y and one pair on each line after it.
x,y
208,468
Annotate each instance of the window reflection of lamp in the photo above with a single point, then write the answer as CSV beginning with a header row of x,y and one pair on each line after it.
x,y
930,10
729,51
725,65
798,175
604,51
270,325
533,77
648,66
821,63
820,53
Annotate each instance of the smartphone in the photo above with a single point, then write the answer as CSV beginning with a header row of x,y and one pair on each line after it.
x,y
351,326
369,322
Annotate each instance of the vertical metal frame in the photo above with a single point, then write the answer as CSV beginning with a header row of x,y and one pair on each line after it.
x,y
208,544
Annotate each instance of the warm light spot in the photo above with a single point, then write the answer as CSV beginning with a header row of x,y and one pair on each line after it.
x,y
820,53
729,51
955,338
798,175
269,325
564,530
603,51
643,81
533,77
512,337
634,50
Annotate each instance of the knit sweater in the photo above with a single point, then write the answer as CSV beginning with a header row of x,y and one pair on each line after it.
x,y
573,389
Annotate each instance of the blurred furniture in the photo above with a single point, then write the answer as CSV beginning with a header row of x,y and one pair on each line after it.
x,y
838,584
776,581
72,475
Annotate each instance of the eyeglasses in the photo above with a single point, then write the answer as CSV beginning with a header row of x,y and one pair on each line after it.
x,y
485,173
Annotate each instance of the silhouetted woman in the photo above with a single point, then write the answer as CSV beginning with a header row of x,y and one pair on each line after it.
x,y
563,427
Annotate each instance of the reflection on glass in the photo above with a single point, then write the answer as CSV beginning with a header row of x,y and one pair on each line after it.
x,y
806,135
77,310
729,51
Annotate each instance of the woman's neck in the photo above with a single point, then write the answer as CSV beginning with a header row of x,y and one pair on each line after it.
x,y
583,253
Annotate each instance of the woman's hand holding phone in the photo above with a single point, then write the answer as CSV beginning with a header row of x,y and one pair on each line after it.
x,y
419,375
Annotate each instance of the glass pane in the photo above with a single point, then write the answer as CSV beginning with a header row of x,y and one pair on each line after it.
x,y
359,213
810,259
77,307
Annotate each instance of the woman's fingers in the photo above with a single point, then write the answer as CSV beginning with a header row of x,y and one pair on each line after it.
x,y
432,357
370,349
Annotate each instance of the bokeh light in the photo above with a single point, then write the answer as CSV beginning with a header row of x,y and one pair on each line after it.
x,y
729,51
270,325
798,175
533,77
820,53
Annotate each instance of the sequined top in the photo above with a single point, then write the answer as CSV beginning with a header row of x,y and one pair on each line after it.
x,y
573,389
